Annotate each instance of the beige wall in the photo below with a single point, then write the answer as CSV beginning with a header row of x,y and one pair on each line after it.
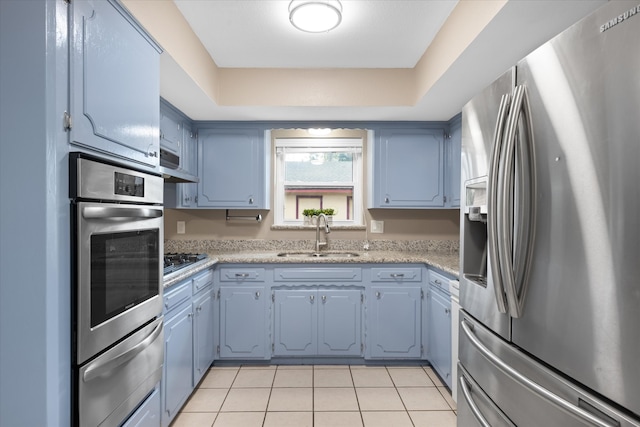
x,y
405,224
398,225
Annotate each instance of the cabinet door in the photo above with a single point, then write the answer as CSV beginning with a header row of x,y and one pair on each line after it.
x,y
115,83
189,156
231,169
454,150
339,322
204,324
243,325
439,345
394,326
178,359
295,326
408,169
171,132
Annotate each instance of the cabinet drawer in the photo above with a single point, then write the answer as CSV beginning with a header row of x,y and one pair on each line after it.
x,y
439,281
242,275
202,281
318,274
176,295
413,274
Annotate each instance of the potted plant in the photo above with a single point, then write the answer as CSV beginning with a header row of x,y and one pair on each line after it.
x,y
308,216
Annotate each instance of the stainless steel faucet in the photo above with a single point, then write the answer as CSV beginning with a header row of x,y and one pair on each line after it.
x,y
327,230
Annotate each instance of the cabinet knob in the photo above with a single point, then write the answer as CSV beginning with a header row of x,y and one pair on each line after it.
x,y
386,199
257,294
378,295
397,275
324,299
447,311
312,298
250,200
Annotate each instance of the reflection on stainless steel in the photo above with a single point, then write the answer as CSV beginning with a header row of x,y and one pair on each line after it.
x,y
561,233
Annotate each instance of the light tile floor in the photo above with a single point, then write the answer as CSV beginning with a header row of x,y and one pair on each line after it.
x,y
319,396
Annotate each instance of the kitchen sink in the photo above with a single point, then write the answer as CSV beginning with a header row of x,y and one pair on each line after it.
x,y
318,254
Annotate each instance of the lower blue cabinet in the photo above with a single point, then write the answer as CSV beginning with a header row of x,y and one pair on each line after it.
x,y
204,323
243,322
317,322
178,359
395,323
439,341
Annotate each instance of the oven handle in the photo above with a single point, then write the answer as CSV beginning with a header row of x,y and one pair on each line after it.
x,y
97,212
100,368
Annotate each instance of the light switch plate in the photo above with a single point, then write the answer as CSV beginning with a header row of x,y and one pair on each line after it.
x,y
181,227
377,226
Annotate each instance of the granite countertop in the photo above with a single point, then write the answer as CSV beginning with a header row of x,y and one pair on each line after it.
x,y
445,261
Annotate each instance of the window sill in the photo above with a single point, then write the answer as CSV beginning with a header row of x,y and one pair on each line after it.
x,y
313,227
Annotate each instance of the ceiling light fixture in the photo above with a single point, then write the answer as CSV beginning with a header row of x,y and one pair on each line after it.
x,y
315,16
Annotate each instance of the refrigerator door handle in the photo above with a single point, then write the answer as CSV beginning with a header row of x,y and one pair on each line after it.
x,y
517,172
466,393
534,387
492,205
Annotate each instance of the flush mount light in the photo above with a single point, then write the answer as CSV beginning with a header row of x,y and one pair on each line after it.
x,y
319,131
315,16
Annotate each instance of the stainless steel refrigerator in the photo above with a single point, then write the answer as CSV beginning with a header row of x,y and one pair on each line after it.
x,y
550,234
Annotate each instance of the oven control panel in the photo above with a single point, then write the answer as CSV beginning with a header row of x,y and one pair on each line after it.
x,y
128,185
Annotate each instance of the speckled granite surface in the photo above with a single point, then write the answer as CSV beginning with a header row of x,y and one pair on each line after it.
x,y
442,255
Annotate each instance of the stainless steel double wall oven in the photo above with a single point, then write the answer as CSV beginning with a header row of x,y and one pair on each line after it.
x,y
117,249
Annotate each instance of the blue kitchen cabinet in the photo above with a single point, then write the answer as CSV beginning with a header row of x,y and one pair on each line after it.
x,y
171,130
114,83
452,170
243,322
231,168
204,324
339,322
317,322
295,322
189,156
394,325
178,350
148,414
408,169
438,312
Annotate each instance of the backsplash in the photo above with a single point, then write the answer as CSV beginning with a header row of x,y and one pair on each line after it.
x,y
255,245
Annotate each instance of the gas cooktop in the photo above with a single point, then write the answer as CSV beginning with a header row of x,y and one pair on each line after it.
x,y
174,262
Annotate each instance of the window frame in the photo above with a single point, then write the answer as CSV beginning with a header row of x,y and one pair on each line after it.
x,y
348,144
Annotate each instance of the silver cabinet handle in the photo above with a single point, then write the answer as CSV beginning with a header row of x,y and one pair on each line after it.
x,y
397,275
324,299
492,204
472,404
529,384
250,200
378,295
447,311
386,199
99,368
242,275
311,298
257,294
97,212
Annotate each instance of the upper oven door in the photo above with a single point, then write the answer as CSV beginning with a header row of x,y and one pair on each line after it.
x,y
119,273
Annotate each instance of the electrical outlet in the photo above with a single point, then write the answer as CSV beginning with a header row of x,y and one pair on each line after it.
x,y
181,227
377,226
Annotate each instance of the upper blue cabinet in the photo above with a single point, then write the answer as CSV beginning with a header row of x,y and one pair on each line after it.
x,y
408,167
232,169
115,89
454,150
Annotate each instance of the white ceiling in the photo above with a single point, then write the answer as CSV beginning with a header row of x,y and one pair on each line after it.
x,y
373,34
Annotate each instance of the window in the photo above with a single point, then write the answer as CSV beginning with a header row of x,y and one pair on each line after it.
x,y
318,174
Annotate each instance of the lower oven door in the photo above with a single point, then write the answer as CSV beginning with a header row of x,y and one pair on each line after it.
x,y
111,386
